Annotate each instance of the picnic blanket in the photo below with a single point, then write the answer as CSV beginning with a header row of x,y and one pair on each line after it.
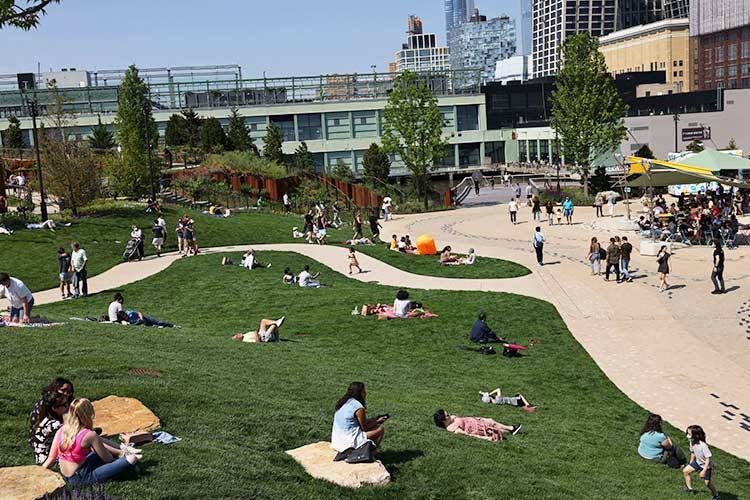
x,y
36,322
391,314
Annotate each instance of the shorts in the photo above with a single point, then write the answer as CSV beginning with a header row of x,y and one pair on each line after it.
x,y
265,335
157,242
66,277
567,212
698,468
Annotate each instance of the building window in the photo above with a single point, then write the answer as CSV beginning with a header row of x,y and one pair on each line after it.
x,y
719,73
680,62
681,73
719,54
468,117
286,124
495,151
746,49
674,74
746,68
732,52
731,70
674,63
309,127
468,155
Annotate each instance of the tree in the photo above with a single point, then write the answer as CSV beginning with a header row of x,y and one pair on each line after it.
x,y
213,138
238,135
732,144
71,173
193,125
176,133
13,137
645,152
696,146
101,138
600,181
303,159
272,144
342,171
376,165
413,128
587,111
23,17
135,129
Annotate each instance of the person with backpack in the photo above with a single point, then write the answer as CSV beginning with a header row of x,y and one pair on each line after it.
x,y
351,427
159,234
538,243
613,260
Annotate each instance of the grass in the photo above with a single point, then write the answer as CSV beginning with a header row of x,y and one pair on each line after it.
x,y
239,406
31,255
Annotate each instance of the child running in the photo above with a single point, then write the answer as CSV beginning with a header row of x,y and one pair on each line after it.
x,y
700,461
353,262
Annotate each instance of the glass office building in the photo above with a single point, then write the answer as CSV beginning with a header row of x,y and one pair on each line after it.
x,y
482,42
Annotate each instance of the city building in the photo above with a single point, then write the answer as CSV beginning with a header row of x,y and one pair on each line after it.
x,y
554,20
421,52
660,46
513,69
720,43
635,12
457,12
523,44
481,42
676,9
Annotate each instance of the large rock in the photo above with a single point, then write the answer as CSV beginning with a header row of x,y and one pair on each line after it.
x,y
116,415
29,482
317,459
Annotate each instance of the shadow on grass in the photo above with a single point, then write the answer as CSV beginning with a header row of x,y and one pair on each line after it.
x,y
393,460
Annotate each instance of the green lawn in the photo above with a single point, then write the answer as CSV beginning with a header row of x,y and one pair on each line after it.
x,y
239,406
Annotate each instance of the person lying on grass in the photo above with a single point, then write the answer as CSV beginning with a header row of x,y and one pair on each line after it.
x,y
86,458
132,317
701,461
483,428
496,397
360,241
268,331
656,446
351,427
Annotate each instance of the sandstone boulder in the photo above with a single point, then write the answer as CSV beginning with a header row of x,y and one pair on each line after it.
x,y
317,459
29,482
116,415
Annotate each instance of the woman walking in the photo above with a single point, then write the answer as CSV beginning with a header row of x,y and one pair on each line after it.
x,y
550,208
536,209
595,257
663,259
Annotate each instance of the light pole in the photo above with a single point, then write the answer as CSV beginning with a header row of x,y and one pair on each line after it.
x,y
147,133
676,120
32,104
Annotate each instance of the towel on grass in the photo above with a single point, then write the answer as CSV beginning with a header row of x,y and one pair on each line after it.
x,y
36,322
390,313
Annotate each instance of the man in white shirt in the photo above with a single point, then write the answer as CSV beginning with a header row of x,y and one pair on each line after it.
x,y
513,210
305,279
387,202
79,266
115,307
538,243
20,298
20,182
287,203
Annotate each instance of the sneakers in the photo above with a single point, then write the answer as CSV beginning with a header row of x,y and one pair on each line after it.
x,y
269,265
516,428
716,292
280,321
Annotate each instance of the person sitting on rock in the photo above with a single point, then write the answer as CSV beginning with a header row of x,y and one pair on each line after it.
x,y
85,458
268,331
481,333
496,397
351,427
483,428
446,258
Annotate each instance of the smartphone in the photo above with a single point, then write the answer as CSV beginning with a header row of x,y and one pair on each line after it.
x,y
385,416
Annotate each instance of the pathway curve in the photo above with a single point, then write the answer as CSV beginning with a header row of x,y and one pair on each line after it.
x,y
682,354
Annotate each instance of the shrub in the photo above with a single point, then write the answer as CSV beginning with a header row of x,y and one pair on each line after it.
x,y
17,220
102,207
576,194
246,162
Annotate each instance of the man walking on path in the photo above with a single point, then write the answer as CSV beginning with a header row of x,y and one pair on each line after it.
x,y
717,275
538,243
568,210
613,260
78,265
476,177
513,210
626,249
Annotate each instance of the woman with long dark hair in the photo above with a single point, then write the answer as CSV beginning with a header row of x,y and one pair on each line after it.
x,y
48,421
58,385
663,259
656,446
351,427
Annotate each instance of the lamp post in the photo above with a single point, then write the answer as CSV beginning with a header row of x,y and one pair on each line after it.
x,y
32,104
147,133
676,120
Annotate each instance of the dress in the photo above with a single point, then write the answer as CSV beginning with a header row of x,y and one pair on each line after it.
x,y
664,263
346,432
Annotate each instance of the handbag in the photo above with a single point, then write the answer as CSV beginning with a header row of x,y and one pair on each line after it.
x,y
361,455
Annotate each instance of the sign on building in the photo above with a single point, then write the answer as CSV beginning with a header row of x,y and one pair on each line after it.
x,y
696,134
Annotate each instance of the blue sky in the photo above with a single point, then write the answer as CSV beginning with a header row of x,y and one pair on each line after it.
x,y
282,37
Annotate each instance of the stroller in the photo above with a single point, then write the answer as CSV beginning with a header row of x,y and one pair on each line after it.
x,y
132,250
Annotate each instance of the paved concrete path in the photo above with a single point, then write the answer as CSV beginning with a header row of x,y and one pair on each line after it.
x,y
684,353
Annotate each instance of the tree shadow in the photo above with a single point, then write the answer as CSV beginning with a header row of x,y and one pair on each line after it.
x,y
393,460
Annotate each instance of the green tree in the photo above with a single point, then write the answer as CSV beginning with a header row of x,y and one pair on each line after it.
x,y
135,129
696,146
342,171
101,137
238,135
25,17
587,111
645,152
376,166
193,125
272,144
413,127
732,144
13,137
213,138
303,159
176,133
600,181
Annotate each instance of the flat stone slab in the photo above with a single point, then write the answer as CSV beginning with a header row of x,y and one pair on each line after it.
x,y
116,415
317,459
29,482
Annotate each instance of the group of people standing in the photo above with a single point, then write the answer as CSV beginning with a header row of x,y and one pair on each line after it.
x,y
616,258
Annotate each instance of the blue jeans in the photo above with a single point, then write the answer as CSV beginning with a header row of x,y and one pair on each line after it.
x,y
17,312
149,321
624,263
385,214
313,284
93,470
80,280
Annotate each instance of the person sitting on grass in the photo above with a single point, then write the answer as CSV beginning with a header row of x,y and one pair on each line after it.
x,y
483,428
496,397
132,317
393,245
656,446
115,307
470,258
20,298
48,420
307,280
481,333
353,262
351,427
403,307
410,248
59,385
85,458
289,278
268,331
701,461
446,258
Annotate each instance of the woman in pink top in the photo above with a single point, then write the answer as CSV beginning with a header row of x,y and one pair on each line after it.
x,y
86,458
483,428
